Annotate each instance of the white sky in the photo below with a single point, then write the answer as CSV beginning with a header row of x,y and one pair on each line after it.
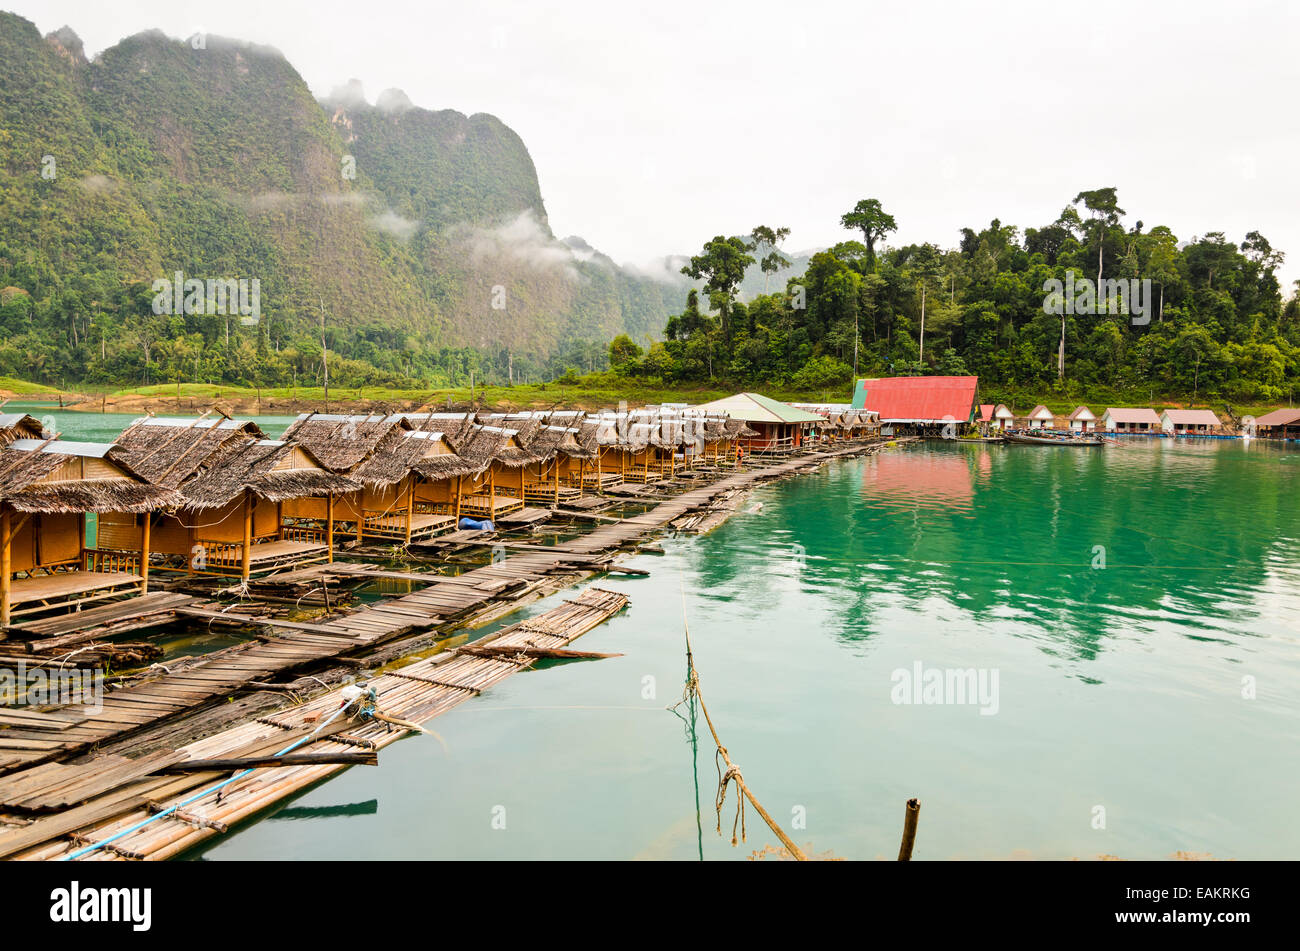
x,y
656,126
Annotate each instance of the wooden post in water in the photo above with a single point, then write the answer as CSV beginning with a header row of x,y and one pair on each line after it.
x,y
246,559
329,527
144,553
410,505
910,815
6,565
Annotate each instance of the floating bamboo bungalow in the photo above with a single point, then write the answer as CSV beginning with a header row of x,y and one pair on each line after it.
x,y
408,473
48,488
233,487
497,460
1040,417
1130,420
1082,420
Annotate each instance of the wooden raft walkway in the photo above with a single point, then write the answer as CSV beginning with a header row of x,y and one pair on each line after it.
x,y
445,599
115,794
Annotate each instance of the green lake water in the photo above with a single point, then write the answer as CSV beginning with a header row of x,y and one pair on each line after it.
x,y
1139,606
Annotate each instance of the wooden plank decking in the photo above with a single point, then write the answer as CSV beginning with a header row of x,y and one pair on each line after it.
x,y
121,793
445,598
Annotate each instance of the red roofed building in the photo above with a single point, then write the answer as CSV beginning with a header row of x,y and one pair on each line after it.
x,y
919,401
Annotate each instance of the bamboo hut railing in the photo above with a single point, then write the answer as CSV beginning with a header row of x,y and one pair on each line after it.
x,y
111,561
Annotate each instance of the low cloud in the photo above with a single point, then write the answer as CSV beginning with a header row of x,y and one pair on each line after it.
x,y
665,270
525,240
346,199
392,223
97,184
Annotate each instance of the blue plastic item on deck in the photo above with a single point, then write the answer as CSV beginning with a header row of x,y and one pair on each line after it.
x,y
472,523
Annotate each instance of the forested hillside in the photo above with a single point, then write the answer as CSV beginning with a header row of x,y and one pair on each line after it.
x,y
1209,321
415,243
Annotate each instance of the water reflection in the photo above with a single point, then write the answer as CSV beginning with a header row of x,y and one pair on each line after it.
x,y
1074,546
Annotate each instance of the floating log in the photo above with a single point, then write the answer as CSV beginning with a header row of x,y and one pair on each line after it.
x,y
347,758
550,653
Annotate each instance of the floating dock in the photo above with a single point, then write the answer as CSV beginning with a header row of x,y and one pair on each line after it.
x,y
57,794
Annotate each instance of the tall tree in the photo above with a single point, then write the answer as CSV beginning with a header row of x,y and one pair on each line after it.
x,y
873,221
721,266
769,239
1106,212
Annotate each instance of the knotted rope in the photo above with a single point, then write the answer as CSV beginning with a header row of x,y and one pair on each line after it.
x,y
732,772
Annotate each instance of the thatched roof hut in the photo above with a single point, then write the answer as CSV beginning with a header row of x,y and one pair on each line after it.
x,y
343,442
170,450
379,451
53,476
271,469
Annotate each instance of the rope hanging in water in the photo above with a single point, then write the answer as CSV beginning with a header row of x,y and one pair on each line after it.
x,y
732,772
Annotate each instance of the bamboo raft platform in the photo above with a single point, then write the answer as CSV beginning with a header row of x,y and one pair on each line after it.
x,y
527,517
287,646
96,799
76,627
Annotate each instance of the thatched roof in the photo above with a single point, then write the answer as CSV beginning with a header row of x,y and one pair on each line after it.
x,y
342,443
426,453
19,426
253,466
457,427
169,450
52,476
489,444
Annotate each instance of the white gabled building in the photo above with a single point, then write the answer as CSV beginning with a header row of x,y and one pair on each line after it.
x,y
1040,417
1083,420
1190,422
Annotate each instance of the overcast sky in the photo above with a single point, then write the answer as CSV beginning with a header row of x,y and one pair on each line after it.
x,y
656,126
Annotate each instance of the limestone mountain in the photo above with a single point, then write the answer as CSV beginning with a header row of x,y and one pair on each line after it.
x,y
415,240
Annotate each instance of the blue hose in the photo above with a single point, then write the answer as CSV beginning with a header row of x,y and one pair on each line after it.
x,y
195,798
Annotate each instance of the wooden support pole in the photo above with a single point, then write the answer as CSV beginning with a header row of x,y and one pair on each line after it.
x,y
144,553
246,559
329,527
492,491
410,505
910,815
458,483
556,463
6,565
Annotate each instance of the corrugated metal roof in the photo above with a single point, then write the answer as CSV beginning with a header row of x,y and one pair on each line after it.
x,y
1279,417
215,423
1082,412
1193,417
1132,415
94,450
757,408
921,399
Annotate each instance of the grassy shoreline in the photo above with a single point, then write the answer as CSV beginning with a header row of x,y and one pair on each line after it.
x,y
589,393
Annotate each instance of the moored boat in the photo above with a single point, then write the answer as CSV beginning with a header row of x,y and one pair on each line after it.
x,y
1060,439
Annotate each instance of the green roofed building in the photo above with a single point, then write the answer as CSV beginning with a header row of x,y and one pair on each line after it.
x,y
779,427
